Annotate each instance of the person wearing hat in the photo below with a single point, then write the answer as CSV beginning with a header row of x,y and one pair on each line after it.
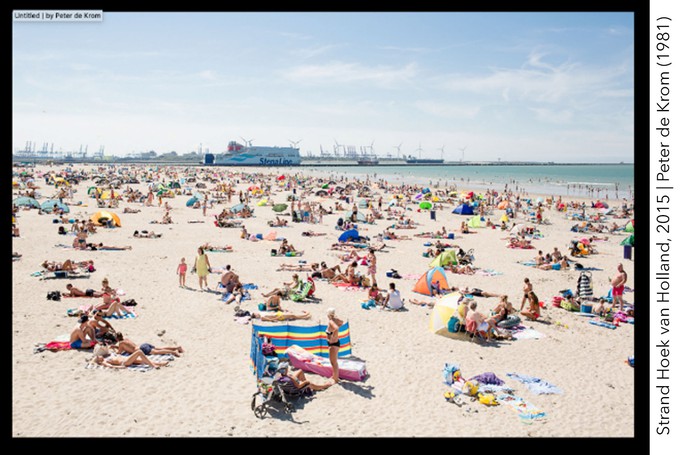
x,y
298,378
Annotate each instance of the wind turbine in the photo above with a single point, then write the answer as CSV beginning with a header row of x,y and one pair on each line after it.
x,y
442,150
249,143
294,143
462,158
419,150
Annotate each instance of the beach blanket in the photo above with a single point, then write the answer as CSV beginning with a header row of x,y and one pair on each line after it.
x,y
489,272
527,411
61,274
59,343
352,370
529,263
90,365
411,276
603,324
521,332
348,287
536,385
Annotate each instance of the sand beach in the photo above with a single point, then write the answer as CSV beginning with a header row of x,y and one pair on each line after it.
x,y
207,391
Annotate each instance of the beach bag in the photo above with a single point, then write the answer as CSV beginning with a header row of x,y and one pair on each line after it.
x,y
453,325
54,295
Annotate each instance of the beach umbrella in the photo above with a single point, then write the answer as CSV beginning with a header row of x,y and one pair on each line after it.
x,y
192,201
324,186
102,216
92,189
262,202
630,227
503,205
198,195
630,240
25,201
279,207
419,196
48,205
425,190
585,241
435,199
425,205
442,312
281,177
463,209
60,181
322,193
237,208
350,234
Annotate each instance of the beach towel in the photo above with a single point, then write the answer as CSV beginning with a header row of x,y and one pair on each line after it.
x,y
603,324
489,272
535,385
527,411
90,365
529,263
130,315
488,378
495,389
59,343
521,332
352,370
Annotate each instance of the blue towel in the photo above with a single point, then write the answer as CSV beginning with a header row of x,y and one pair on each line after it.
x,y
249,286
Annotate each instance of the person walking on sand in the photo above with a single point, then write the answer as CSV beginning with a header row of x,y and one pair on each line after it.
x,y
618,284
182,272
333,337
202,268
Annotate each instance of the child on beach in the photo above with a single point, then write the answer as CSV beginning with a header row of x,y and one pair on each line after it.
x,y
182,272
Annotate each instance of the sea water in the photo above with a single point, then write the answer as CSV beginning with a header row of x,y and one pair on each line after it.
x,y
604,181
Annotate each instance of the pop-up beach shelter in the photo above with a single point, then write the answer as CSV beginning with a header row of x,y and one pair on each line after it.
x,y
476,222
630,227
463,209
434,275
442,313
49,204
448,257
349,235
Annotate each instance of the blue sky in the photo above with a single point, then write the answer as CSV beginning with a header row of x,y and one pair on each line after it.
x,y
514,86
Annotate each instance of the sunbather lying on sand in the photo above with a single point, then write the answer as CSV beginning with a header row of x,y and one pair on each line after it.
x,y
281,316
126,345
73,291
146,234
136,358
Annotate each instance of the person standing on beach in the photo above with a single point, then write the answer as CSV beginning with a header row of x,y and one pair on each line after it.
x,y
618,283
372,265
202,268
528,288
182,272
333,337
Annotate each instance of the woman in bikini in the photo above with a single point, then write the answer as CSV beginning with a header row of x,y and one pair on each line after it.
x,y
333,342
136,358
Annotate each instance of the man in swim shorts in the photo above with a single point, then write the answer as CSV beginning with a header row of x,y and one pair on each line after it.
x,y
618,284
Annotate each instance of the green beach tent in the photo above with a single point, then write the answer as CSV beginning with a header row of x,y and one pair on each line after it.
x,y
444,259
476,222
630,240
425,205
630,227
279,207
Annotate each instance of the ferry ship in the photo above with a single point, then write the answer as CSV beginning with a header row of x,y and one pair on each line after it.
x,y
414,160
255,155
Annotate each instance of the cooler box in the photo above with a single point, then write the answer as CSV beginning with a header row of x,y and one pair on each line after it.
x,y
586,308
627,252
451,235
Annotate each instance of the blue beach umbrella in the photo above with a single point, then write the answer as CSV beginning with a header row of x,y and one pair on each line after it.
x,y
49,204
25,201
192,201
